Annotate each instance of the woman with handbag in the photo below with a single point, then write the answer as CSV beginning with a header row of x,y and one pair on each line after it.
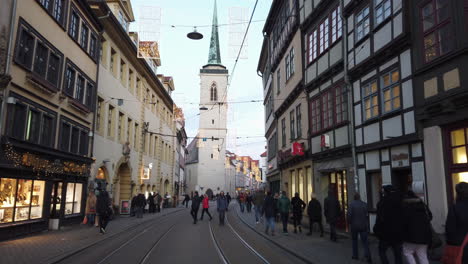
x,y
456,226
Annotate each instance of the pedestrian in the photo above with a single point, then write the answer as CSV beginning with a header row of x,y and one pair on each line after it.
x,y
157,202
222,205
90,210
133,206
389,225
152,205
358,217
276,198
298,207
206,206
258,201
270,211
417,232
140,204
103,209
228,198
332,212
166,200
186,200
456,227
248,201
314,211
241,198
195,207
284,205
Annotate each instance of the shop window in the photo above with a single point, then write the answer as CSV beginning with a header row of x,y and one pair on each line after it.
x,y
459,177
73,198
293,183
300,172
20,200
310,182
374,183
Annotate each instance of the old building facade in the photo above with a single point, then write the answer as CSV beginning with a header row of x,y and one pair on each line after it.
x,y
47,114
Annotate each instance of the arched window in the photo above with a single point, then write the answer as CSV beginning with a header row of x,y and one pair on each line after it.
x,y
213,92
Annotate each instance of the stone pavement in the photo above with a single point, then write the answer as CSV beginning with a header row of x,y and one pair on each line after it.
x,y
47,246
314,248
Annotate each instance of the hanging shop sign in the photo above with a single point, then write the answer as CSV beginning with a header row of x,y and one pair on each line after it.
x,y
297,149
325,141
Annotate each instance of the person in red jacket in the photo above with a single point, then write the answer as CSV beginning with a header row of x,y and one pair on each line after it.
x,y
206,205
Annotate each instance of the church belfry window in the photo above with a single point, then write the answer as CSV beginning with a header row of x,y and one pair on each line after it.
x,y
213,92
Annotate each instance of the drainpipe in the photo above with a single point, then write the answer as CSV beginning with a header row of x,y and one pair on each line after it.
x,y
350,98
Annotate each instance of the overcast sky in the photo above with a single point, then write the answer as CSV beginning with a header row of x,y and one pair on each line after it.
x,y
182,58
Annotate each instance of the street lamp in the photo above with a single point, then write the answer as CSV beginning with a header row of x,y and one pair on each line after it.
x,y
195,35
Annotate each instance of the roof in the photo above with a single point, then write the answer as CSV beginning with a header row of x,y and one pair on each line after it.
x,y
214,55
264,154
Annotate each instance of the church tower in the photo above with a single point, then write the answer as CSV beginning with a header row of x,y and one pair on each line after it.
x,y
213,119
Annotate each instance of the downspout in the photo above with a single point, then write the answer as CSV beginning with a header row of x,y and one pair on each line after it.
x,y
350,98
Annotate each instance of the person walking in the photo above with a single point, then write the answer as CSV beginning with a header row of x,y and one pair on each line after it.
x,y
389,225
221,206
90,210
456,227
298,207
270,210
133,206
417,232
241,198
195,207
258,201
157,202
140,205
152,205
103,209
206,206
314,211
276,198
283,206
186,200
248,201
358,218
332,213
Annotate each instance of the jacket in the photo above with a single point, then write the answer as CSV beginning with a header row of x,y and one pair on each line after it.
x,y
206,203
389,222
284,204
140,200
332,209
416,221
259,199
151,200
103,204
297,205
196,202
222,203
358,216
91,204
456,226
248,199
270,208
314,210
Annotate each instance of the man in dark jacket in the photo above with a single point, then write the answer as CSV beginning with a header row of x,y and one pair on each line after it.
x,y
152,206
222,205
358,219
195,206
314,211
332,213
186,200
389,225
456,225
133,206
140,205
258,201
270,210
298,206
157,202
248,202
103,209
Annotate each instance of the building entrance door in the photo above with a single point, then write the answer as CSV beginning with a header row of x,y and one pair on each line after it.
x,y
338,185
402,180
125,182
56,200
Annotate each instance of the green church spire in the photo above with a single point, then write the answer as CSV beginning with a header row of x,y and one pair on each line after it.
x,y
214,57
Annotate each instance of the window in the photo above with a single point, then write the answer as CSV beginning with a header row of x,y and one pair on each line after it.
x,y
324,37
272,146
120,126
327,109
122,70
21,199
73,198
53,69
73,138
25,49
286,67
40,60
391,91
123,20
283,132
33,126
458,152
312,46
129,129
74,25
292,125
362,24
371,101
341,109
298,121
79,86
112,61
47,131
69,81
135,137
278,80
130,81
315,115
436,26
55,8
213,92
99,113
291,64
383,10
269,107
93,47
110,121
89,102
84,36
336,25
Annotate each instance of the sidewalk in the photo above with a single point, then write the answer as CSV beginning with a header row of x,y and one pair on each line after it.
x,y
315,248
47,246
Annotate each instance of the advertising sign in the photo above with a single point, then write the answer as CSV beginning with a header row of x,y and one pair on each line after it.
x,y
124,207
148,50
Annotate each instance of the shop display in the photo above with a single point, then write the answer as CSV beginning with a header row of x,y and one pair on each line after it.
x,y
37,199
69,198
77,200
73,198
